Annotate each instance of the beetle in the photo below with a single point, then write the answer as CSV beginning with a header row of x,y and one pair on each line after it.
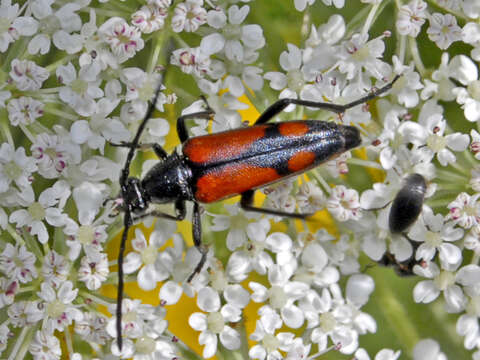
x,y
408,203
405,210
235,162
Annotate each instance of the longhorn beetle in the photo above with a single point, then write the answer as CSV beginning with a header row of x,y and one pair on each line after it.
x,y
235,162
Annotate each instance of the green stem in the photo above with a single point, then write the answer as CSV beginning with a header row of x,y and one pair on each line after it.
x,y
412,42
61,114
100,301
18,239
365,163
53,66
20,340
396,314
69,342
370,19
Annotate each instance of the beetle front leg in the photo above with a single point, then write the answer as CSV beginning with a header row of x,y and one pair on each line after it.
x,y
281,104
179,208
197,240
247,201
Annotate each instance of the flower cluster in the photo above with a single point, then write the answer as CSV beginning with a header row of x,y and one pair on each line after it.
x,y
272,287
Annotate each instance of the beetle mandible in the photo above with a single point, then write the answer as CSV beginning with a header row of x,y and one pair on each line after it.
x,y
235,162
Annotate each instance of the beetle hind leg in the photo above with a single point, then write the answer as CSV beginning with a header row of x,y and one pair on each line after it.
x,y
247,201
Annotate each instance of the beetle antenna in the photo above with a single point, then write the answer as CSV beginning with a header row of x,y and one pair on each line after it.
x,y
127,219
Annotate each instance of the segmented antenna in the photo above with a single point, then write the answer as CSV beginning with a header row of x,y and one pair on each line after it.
x,y
127,219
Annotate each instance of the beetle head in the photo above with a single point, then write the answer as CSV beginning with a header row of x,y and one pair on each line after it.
x,y
133,196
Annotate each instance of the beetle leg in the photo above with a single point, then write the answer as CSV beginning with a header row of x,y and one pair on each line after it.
x,y
246,204
158,149
197,240
281,104
182,129
180,209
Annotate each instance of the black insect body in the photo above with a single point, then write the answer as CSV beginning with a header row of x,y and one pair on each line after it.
x,y
236,162
405,209
408,204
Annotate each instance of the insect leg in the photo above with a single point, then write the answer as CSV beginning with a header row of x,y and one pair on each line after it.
x,y
281,104
246,204
197,240
179,208
158,149
182,129
127,222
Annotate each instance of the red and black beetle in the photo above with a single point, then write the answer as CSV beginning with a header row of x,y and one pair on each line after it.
x,y
235,162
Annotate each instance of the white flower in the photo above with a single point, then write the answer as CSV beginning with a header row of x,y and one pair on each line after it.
x,y
250,253
344,204
465,210
238,223
301,5
12,25
236,40
269,345
124,40
329,321
134,315
93,269
358,53
475,147
24,110
92,328
49,207
441,281
45,346
310,198
55,269
80,91
150,18
56,25
59,310
148,255
282,293
189,16
411,17
214,323
436,235
191,61
405,88
443,87
8,288
428,349
53,154
27,75
465,71
25,313
428,135
18,263
100,127
90,233
225,106
443,30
